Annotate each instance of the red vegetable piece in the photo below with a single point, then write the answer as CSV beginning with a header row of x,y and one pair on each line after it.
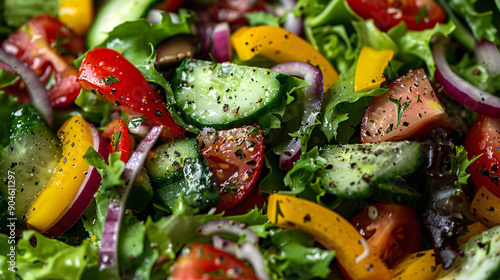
x,y
410,109
116,133
106,72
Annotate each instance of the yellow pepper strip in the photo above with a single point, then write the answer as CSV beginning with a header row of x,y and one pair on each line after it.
x,y
370,68
52,201
485,207
421,266
330,229
77,13
473,230
280,45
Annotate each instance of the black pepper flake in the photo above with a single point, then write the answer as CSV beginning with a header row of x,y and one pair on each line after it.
x,y
307,218
117,103
240,154
225,107
158,113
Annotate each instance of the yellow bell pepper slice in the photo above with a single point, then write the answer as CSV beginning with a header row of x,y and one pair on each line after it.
x,y
77,13
330,229
485,207
421,266
52,201
370,68
280,45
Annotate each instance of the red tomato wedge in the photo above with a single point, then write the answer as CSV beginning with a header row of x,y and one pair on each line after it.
x,y
204,262
417,14
392,231
410,109
236,157
48,47
106,72
484,138
116,133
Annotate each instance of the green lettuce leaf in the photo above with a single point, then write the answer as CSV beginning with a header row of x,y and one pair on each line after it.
x,y
469,69
297,255
457,164
6,268
17,13
480,23
53,259
110,173
262,18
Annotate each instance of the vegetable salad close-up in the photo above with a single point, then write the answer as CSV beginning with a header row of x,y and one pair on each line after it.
x,y
250,139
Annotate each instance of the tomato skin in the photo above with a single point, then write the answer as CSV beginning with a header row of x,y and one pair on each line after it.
x,y
236,159
420,111
393,233
116,133
387,14
106,72
35,43
483,138
252,200
203,261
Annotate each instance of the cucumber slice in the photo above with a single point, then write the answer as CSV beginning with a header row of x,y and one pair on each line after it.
x,y
179,168
32,156
481,260
112,14
225,95
354,170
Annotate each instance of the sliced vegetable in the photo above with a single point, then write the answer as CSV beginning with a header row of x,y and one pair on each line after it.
x,y
116,133
85,193
108,73
203,261
36,89
225,95
48,47
313,98
410,109
481,260
236,157
485,207
370,68
462,91
354,170
488,56
56,198
113,13
280,45
417,15
420,265
332,231
483,141
228,227
221,43
108,255
32,154
77,14
177,168
392,231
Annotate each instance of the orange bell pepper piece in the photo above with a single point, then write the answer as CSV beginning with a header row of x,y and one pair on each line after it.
x,y
330,229
486,207
280,45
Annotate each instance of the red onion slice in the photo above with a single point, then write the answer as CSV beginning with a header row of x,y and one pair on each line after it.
x,y
85,193
36,89
488,56
221,43
108,255
312,105
138,127
462,91
245,251
229,227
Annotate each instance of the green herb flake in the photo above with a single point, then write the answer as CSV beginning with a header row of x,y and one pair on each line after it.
x,y
110,80
401,108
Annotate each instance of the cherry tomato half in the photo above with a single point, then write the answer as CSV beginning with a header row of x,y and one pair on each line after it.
x,y
116,133
484,138
392,231
203,261
49,48
236,158
388,13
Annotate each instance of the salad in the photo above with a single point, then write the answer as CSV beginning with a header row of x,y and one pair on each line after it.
x,y
235,139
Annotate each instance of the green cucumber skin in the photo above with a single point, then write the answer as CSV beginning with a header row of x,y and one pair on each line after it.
x,y
225,95
31,156
180,169
481,260
355,170
112,14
